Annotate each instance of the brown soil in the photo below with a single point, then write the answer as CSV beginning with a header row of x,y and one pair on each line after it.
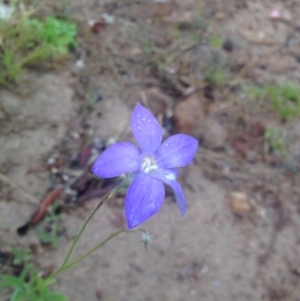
x,y
239,239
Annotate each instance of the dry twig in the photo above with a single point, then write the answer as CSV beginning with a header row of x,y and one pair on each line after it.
x,y
31,200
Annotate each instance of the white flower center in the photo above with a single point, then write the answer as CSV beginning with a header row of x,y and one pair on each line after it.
x,y
148,165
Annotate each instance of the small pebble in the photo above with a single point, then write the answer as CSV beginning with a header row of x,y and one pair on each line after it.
x,y
65,177
239,203
75,135
275,14
79,64
50,161
109,19
110,141
54,170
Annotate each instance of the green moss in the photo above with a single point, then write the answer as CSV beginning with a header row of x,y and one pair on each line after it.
x,y
276,142
26,41
284,98
216,42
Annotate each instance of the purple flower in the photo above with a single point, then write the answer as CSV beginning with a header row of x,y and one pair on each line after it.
x,y
150,166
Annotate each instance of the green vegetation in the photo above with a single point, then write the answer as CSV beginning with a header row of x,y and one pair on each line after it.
x,y
285,98
58,34
25,40
216,42
147,46
30,286
48,232
217,76
276,142
21,255
192,38
176,33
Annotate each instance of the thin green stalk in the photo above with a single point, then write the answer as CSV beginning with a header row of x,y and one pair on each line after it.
x,y
102,243
102,201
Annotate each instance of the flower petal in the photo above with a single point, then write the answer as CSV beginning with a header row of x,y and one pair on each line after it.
x,y
179,196
118,159
168,176
144,197
146,129
165,174
177,151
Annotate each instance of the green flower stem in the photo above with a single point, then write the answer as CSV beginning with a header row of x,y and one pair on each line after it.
x,y
65,264
102,243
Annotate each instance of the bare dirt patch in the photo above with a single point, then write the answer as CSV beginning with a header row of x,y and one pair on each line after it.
x,y
188,61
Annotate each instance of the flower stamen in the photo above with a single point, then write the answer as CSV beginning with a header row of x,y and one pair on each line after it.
x,y
148,165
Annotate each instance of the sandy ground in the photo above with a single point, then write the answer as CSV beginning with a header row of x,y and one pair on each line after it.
x,y
239,239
